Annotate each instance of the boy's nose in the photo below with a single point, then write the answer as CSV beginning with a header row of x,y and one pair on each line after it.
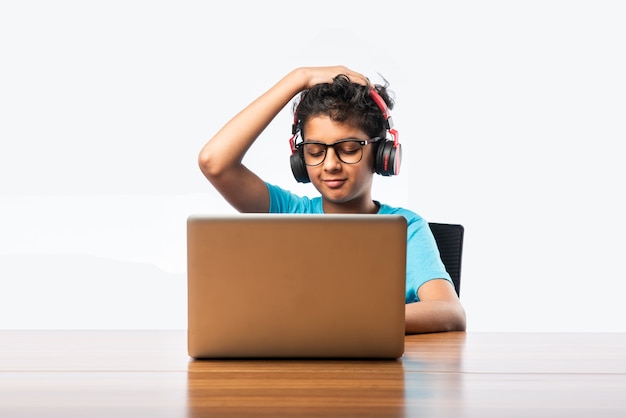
x,y
331,161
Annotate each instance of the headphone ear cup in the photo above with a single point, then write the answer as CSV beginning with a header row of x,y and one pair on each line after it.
x,y
388,158
298,168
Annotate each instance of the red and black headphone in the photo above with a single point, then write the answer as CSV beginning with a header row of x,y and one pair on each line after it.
x,y
387,159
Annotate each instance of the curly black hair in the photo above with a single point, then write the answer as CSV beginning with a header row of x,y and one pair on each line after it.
x,y
345,102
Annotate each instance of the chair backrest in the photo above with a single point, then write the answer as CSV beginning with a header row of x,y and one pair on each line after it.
x,y
449,239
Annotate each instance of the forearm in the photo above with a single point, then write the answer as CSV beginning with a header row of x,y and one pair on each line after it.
x,y
434,316
227,148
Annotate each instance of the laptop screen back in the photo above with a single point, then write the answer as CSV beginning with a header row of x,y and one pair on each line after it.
x,y
306,286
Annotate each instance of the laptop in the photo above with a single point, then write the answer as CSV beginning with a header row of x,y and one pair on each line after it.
x,y
296,286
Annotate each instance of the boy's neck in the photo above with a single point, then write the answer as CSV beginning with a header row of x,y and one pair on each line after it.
x,y
366,207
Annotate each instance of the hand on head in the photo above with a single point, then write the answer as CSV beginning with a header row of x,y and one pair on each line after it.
x,y
318,75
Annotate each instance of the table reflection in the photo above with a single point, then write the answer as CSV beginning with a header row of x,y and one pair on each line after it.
x,y
295,387
423,380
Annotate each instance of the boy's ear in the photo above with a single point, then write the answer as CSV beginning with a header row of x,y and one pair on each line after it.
x,y
388,158
389,152
298,168
296,160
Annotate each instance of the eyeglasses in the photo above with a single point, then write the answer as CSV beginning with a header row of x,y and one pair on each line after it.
x,y
349,151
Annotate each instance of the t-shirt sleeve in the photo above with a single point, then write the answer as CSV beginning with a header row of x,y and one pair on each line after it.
x,y
283,201
423,258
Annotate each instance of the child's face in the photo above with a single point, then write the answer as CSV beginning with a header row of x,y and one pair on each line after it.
x,y
344,187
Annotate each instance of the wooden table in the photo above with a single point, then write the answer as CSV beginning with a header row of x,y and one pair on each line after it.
x,y
92,374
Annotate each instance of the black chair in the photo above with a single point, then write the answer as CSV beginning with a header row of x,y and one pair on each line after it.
x,y
449,239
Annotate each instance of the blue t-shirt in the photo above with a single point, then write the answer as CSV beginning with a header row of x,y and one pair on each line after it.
x,y
423,262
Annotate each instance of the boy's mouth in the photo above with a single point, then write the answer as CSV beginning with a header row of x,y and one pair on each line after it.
x,y
334,183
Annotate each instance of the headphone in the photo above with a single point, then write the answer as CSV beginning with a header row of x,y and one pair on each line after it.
x,y
387,158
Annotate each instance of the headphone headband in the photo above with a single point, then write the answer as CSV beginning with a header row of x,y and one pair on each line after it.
x,y
382,106
385,110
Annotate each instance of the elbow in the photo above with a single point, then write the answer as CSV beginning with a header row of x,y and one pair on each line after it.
x,y
458,321
209,165
204,162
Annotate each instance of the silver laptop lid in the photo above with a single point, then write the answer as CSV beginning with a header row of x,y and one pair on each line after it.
x,y
270,285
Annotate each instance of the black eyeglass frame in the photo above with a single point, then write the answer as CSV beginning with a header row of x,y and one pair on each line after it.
x,y
362,142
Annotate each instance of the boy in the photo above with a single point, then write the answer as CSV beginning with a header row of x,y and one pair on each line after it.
x,y
340,141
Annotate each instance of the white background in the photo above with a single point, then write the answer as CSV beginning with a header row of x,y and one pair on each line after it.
x,y
511,115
